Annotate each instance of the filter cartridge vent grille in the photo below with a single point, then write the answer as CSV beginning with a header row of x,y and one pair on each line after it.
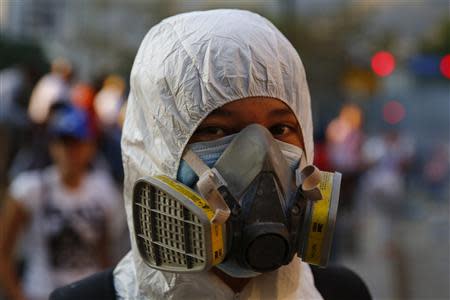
x,y
168,235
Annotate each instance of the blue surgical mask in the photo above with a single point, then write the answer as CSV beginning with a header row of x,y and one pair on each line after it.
x,y
210,152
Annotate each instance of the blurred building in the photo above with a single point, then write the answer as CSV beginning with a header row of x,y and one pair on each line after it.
x,y
98,36
103,35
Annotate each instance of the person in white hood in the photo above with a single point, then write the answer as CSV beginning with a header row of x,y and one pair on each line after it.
x,y
201,76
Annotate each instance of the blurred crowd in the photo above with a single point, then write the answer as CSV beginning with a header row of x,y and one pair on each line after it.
x,y
388,186
25,112
61,207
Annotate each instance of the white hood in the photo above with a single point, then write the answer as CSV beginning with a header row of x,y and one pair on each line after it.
x,y
187,66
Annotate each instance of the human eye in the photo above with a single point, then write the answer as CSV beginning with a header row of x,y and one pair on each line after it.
x,y
281,130
207,133
211,130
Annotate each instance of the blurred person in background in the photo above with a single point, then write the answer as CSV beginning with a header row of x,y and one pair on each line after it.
x,y
85,96
82,95
345,138
15,89
344,141
107,105
436,172
384,201
51,88
321,155
389,157
109,99
70,213
109,159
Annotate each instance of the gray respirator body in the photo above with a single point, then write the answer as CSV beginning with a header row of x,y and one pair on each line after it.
x,y
249,213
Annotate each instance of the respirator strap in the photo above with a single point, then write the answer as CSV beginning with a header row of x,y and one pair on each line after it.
x,y
308,179
208,185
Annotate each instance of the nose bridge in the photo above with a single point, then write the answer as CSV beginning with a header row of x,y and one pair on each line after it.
x,y
252,117
252,151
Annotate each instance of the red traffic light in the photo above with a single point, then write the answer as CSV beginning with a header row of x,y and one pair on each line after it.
x,y
445,66
383,63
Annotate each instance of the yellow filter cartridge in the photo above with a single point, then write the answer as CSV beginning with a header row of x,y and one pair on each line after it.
x,y
173,228
322,221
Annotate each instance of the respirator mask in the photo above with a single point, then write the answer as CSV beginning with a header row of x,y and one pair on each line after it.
x,y
245,204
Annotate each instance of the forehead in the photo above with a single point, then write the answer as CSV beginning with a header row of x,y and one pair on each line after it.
x,y
254,109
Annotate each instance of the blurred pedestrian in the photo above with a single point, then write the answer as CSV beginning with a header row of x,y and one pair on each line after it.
x,y
109,99
321,155
50,88
15,89
108,105
344,138
82,96
436,173
384,184
385,201
71,213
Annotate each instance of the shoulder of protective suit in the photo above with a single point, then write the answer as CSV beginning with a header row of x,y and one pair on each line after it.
x,y
333,283
338,282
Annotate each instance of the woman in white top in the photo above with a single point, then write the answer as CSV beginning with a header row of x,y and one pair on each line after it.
x,y
69,212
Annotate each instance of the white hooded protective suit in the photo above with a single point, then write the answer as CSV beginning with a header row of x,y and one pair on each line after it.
x,y
187,66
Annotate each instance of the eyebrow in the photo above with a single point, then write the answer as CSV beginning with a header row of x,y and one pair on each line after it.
x,y
282,112
275,113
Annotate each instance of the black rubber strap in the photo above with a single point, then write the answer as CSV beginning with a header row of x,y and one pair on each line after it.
x,y
97,286
337,283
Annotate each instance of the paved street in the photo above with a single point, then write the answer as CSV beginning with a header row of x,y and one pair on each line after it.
x,y
419,269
